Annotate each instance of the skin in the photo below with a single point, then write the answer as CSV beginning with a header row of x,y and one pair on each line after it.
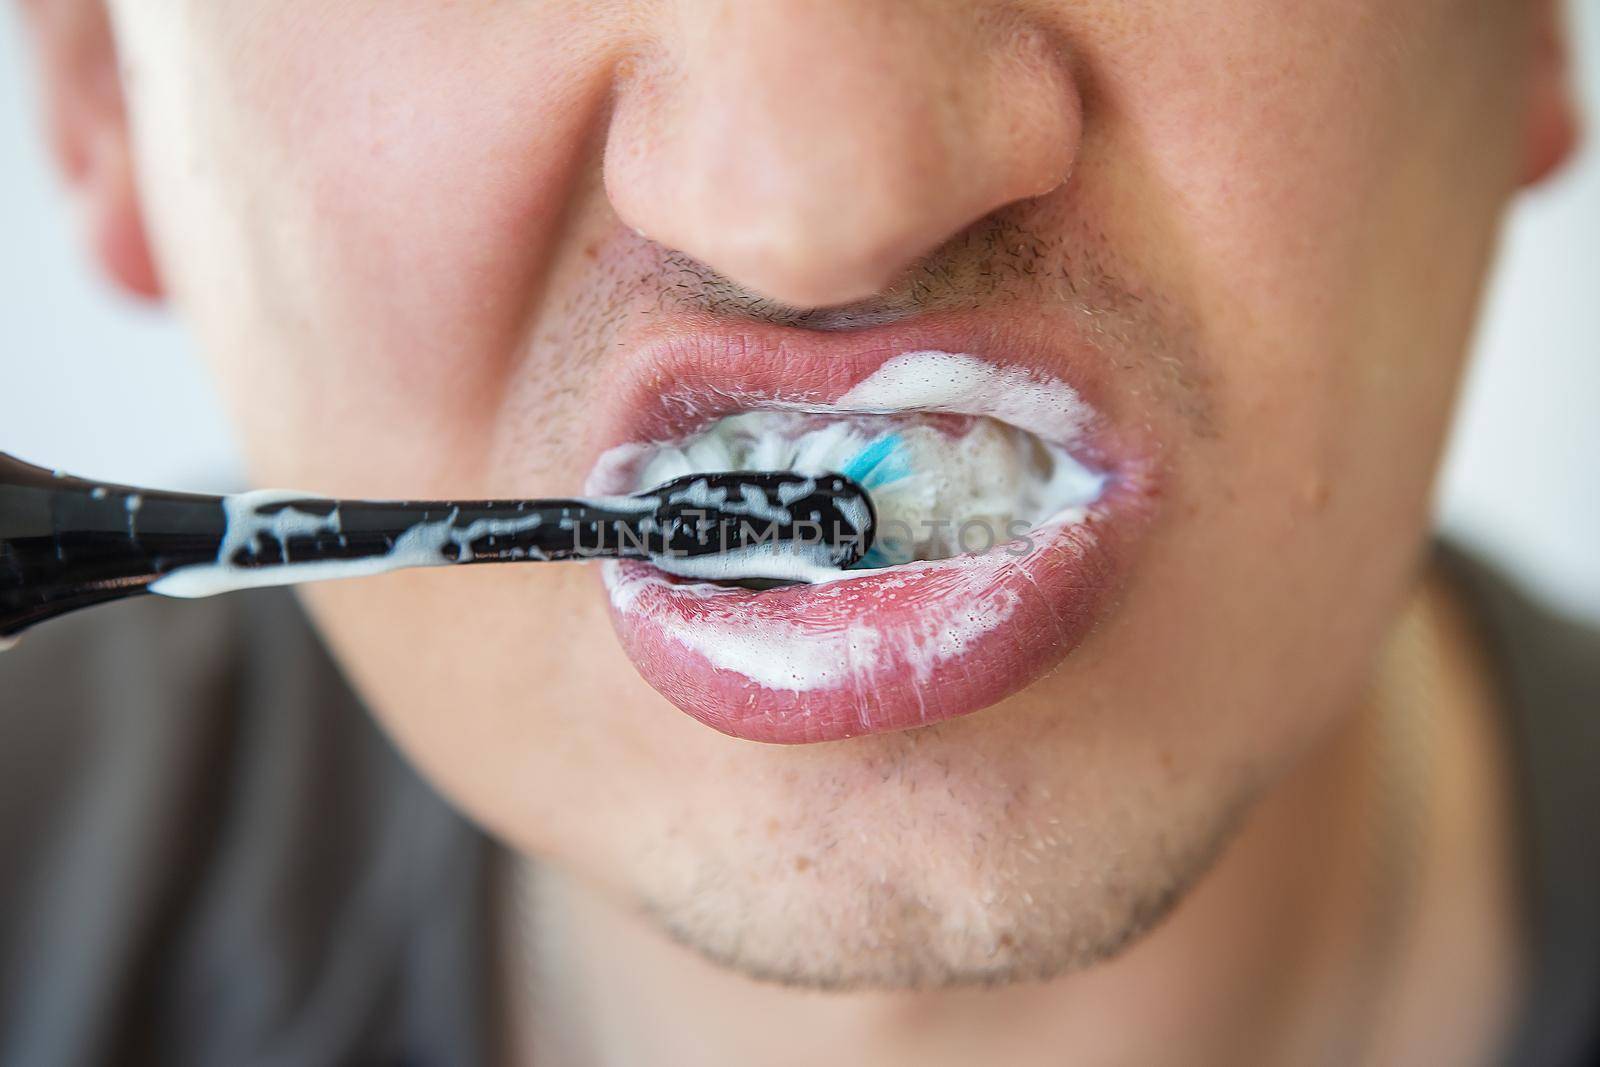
x,y
410,237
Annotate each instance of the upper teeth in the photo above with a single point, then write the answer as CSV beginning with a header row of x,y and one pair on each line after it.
x,y
941,488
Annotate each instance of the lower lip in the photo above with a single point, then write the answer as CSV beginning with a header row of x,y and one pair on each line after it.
x,y
889,650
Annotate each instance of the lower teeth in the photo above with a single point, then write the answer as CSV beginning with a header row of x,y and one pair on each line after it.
x,y
943,485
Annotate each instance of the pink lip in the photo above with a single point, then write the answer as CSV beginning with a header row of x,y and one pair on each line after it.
x,y
895,648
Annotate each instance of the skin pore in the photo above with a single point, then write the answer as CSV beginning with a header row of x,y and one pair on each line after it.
x,y
419,243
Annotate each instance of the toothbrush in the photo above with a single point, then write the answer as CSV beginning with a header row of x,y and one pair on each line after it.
x,y
68,543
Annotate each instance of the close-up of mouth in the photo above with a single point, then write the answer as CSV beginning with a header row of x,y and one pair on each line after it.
x,y
1006,501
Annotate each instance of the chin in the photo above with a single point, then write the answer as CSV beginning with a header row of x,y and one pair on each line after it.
x,y
920,860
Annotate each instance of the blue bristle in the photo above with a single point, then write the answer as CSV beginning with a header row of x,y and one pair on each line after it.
x,y
891,470
873,559
880,463
858,469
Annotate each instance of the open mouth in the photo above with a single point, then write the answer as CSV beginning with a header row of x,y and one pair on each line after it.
x,y
942,484
1003,516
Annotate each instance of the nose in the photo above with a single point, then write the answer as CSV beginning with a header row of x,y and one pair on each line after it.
x,y
812,150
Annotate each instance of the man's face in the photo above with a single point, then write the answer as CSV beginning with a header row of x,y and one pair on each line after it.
x,y
1225,253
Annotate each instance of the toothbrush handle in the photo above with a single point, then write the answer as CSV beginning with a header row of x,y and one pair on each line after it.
x,y
67,543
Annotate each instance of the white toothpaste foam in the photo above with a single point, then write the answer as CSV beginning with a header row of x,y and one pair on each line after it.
x,y
964,384
794,656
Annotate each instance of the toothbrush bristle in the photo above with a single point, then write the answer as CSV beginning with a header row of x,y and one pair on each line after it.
x,y
883,468
861,468
879,464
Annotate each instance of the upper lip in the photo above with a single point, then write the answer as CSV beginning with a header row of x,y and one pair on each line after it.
x,y
677,378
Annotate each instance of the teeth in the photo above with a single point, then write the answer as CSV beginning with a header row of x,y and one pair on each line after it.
x,y
943,485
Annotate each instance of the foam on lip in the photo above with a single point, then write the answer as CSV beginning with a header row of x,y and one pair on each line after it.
x,y
930,381
798,656
948,381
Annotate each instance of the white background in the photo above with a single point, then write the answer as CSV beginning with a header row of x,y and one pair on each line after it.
x,y
95,385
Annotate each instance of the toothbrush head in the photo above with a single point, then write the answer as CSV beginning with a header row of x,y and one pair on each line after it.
x,y
759,517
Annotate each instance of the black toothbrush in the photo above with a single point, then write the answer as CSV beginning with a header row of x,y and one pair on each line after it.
x,y
68,543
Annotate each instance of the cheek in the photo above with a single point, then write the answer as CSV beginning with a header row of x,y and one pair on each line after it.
x,y
1326,202
1323,180
395,177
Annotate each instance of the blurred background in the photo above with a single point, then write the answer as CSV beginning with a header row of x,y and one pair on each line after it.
x,y
99,386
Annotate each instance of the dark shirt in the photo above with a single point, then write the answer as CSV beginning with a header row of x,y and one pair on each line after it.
x,y
209,854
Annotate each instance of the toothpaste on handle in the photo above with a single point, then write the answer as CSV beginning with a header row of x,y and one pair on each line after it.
x,y
68,543
744,524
